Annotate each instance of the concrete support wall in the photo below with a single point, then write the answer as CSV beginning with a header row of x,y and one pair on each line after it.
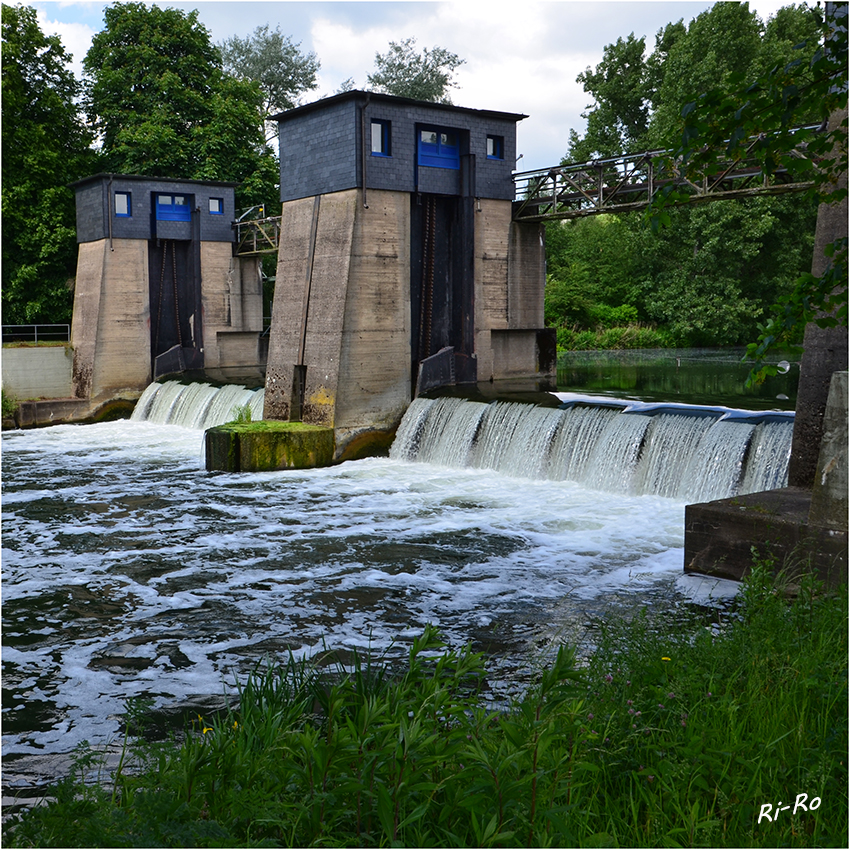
x,y
829,493
492,233
291,300
38,371
824,351
375,354
510,279
110,332
232,293
342,312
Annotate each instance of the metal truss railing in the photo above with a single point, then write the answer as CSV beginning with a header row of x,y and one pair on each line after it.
x,y
628,183
257,236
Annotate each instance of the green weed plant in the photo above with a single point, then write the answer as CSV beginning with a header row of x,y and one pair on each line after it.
x,y
613,338
670,735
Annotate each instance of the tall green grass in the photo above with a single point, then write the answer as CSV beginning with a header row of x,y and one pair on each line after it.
x,y
614,338
670,735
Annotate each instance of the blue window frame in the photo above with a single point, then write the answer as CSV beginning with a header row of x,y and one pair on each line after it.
x,y
381,137
216,206
438,147
495,147
123,204
173,208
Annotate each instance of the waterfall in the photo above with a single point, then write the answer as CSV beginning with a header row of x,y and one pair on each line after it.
x,y
196,405
686,453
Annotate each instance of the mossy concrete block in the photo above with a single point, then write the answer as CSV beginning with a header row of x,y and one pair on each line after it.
x,y
720,536
268,445
222,449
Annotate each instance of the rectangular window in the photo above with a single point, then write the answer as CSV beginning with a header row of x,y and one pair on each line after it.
x,y
123,204
495,147
173,208
439,148
216,206
381,137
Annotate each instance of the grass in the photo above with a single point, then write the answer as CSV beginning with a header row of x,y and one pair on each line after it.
x,y
671,735
616,338
9,404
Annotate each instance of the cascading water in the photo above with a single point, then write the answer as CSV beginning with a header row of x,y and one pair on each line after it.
x,y
129,571
196,405
690,454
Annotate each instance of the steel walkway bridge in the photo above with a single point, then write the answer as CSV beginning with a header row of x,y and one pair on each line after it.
x,y
628,183
621,184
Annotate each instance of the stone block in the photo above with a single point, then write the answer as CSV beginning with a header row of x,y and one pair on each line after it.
x,y
722,536
829,493
268,446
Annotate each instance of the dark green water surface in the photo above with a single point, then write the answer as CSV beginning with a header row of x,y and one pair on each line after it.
x,y
701,376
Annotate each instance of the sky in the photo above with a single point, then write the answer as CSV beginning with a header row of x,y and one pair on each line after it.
x,y
521,56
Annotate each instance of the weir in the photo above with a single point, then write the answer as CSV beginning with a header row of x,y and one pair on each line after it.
x,y
196,405
683,453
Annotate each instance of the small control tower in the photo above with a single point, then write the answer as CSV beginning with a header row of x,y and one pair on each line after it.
x,y
399,267
158,290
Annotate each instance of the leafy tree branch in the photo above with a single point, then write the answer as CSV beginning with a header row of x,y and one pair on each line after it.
x,y
794,118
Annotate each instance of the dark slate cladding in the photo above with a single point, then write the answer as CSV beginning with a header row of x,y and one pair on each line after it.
x,y
95,205
320,147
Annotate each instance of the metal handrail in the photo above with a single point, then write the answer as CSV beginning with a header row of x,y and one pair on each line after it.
x,y
36,333
629,182
257,236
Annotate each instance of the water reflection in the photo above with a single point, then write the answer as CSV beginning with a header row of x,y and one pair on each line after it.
x,y
685,375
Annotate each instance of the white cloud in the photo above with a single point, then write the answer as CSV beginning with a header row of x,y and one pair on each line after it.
x,y
76,36
521,55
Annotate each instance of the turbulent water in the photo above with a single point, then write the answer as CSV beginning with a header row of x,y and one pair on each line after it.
x,y
128,570
693,454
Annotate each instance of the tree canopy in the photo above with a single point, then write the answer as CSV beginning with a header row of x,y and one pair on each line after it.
x,y
45,147
765,118
162,105
271,59
638,97
404,72
711,276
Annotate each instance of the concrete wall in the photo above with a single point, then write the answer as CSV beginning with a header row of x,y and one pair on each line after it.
x,y
110,332
375,371
232,295
341,311
829,492
37,371
824,349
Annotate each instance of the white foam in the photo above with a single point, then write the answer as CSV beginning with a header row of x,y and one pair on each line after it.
x,y
123,518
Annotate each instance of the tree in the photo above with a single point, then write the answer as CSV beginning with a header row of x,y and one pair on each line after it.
x,y
619,120
712,275
45,147
403,72
162,105
272,60
763,118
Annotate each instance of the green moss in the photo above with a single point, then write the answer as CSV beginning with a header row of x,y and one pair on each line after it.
x,y
268,445
267,425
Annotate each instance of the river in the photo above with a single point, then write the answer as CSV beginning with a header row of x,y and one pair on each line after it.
x,y
128,570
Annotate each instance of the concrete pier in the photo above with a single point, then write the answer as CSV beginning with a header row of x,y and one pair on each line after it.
x,y
795,528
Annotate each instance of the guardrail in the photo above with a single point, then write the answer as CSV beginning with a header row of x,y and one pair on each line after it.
x,y
627,183
36,333
257,236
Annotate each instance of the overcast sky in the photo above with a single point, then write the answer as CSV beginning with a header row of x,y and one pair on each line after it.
x,y
521,56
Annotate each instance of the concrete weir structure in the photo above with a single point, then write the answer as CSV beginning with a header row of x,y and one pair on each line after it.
x,y
158,290
399,265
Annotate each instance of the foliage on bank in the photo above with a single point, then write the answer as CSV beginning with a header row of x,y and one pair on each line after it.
x,y
712,275
689,733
